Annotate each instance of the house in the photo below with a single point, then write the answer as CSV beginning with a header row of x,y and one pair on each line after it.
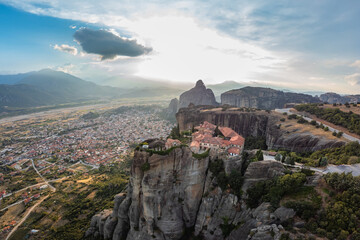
x,y
195,146
2,193
172,143
27,200
227,140
36,196
233,151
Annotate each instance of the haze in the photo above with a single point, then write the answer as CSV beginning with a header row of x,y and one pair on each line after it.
x,y
301,45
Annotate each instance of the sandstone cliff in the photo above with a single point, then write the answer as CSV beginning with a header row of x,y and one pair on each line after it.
x,y
255,123
263,98
336,98
173,106
178,198
199,95
169,112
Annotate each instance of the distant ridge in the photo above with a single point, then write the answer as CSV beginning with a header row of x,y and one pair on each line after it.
x,y
264,98
48,87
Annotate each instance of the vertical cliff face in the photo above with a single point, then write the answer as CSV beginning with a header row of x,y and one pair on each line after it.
x,y
178,197
173,106
244,123
256,123
263,98
199,95
161,202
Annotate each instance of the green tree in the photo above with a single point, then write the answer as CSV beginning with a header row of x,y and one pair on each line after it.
x,y
259,155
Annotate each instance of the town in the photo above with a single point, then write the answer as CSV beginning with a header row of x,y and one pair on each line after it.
x,y
35,153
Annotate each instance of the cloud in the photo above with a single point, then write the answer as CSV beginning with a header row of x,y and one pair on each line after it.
x,y
353,79
108,45
356,64
66,48
67,68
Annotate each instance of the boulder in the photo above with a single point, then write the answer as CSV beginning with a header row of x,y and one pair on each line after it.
x,y
284,214
260,171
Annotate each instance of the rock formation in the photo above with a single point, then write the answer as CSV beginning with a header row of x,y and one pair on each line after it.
x,y
263,98
336,98
199,95
173,106
263,170
255,123
178,197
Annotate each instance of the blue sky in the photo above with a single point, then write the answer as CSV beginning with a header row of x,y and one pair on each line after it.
x,y
307,45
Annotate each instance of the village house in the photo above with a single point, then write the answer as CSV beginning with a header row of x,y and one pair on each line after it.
x,y
172,143
2,193
220,139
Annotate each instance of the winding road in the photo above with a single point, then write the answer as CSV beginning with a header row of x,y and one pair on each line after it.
x,y
25,217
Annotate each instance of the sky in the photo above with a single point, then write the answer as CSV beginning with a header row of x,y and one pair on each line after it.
x,y
305,45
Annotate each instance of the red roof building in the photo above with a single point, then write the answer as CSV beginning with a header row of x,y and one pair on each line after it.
x,y
204,139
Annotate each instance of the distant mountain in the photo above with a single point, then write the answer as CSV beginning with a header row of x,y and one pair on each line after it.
x,y
151,92
13,79
331,98
313,93
263,98
220,88
48,87
131,82
67,86
22,95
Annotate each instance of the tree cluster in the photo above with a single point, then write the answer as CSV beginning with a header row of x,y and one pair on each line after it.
x,y
349,120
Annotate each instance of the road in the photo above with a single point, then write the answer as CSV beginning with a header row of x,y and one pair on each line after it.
x,y
88,164
51,187
14,204
354,169
25,217
346,136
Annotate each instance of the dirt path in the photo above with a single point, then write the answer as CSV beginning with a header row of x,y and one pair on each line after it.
x,y
25,217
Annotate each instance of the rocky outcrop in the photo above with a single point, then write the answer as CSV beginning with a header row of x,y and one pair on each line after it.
x,y
173,106
263,98
255,123
331,98
284,214
245,123
199,95
296,141
260,171
179,197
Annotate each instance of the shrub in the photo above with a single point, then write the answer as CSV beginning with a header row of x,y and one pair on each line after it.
x,y
226,227
292,116
323,161
145,167
235,181
302,121
216,166
201,155
259,155
354,160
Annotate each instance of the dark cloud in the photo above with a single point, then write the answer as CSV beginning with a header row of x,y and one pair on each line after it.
x,y
107,44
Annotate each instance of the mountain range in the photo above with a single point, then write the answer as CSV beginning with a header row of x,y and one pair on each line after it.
x,y
48,87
